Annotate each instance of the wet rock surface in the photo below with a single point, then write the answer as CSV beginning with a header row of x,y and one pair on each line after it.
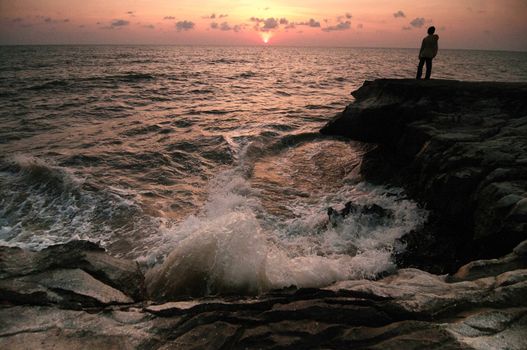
x,y
475,308
458,147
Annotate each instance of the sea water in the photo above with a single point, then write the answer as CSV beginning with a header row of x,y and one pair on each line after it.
x,y
204,163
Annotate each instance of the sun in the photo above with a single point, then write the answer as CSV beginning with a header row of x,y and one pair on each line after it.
x,y
266,36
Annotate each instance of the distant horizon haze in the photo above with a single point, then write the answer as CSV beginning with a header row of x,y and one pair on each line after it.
x,y
257,45
466,24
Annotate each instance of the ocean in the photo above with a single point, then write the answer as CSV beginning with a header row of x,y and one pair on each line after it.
x,y
206,161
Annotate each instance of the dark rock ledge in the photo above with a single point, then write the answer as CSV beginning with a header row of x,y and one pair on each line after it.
x,y
458,147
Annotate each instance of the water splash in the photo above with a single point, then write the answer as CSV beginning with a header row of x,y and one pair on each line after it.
x,y
234,245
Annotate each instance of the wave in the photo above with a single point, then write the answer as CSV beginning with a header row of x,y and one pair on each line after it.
x,y
42,204
248,74
324,106
226,61
266,146
36,171
128,77
142,130
201,91
234,245
53,84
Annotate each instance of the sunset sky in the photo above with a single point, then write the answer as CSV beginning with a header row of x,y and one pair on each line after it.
x,y
471,24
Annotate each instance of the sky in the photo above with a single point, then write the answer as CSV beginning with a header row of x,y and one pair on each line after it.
x,y
461,24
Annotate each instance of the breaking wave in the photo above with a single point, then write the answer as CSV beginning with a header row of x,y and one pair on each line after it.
x,y
235,246
42,204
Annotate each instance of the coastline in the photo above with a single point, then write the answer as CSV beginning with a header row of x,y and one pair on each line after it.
x,y
432,138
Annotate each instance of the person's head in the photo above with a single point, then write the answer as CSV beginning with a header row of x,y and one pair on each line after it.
x,y
431,30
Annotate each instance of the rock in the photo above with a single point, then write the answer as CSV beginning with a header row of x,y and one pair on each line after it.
x,y
492,329
410,309
212,336
521,249
71,288
74,275
36,327
457,147
375,211
517,259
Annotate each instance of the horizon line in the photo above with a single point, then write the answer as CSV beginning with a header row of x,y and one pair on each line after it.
x,y
265,46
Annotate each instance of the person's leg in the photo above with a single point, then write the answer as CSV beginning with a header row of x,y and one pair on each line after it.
x,y
428,68
420,68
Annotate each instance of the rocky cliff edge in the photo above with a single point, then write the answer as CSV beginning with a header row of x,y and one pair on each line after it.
x,y
460,148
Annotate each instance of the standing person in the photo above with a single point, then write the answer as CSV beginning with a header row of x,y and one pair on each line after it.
x,y
427,53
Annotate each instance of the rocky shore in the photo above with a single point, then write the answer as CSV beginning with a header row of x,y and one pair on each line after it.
x,y
459,148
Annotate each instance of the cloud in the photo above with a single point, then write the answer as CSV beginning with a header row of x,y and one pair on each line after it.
x,y
224,26
417,22
149,26
346,16
184,25
360,26
270,23
223,16
311,23
340,26
116,23
169,17
119,23
399,14
49,20
212,16
407,28
130,13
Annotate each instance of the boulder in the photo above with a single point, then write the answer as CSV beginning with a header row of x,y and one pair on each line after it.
x,y
73,275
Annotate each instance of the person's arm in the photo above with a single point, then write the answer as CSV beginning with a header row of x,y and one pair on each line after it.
x,y
436,46
422,48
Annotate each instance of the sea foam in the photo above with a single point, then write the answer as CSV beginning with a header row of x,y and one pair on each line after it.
x,y
235,246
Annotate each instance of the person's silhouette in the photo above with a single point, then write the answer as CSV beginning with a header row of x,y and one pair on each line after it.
x,y
427,53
